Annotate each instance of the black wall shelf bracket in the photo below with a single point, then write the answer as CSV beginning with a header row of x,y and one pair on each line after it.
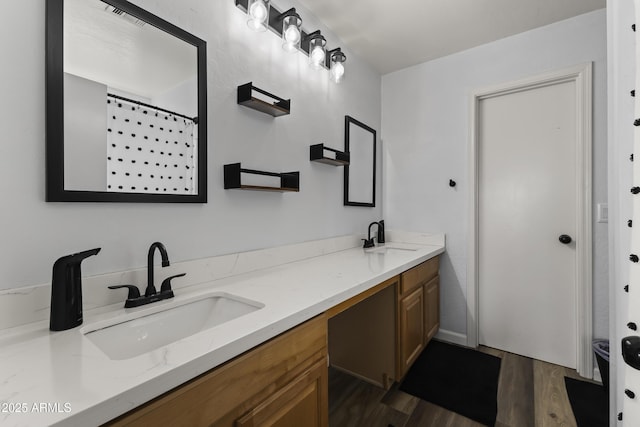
x,y
316,154
280,107
289,181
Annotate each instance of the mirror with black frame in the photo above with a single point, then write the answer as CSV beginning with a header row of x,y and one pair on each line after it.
x,y
126,106
360,174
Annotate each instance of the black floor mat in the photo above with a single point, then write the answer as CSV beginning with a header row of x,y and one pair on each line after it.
x,y
589,402
461,380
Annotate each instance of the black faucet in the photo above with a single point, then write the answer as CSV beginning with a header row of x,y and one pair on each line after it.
x,y
151,289
134,299
66,291
368,242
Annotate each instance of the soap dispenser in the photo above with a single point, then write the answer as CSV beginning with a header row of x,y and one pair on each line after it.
x,y
66,291
381,238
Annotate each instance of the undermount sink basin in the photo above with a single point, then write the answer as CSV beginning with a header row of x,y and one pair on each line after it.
x,y
391,248
136,335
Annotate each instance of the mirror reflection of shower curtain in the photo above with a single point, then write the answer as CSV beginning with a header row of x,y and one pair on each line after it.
x,y
149,151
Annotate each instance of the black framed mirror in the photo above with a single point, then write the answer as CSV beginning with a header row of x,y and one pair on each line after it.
x,y
126,106
360,174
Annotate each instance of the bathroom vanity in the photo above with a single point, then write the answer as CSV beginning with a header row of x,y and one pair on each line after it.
x,y
375,335
369,312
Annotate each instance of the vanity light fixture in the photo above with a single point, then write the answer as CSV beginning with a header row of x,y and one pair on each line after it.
x,y
291,31
262,16
258,15
336,61
317,52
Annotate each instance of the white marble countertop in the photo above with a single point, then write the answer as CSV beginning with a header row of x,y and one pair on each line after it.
x,y
61,378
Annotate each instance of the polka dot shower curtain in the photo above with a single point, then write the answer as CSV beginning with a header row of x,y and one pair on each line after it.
x,y
149,151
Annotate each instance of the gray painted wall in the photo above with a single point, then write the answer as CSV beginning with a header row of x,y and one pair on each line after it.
x,y
425,132
85,124
36,233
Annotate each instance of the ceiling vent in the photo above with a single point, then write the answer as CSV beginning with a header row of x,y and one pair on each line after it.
x,y
122,14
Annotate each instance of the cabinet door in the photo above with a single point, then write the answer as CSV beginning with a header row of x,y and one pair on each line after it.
x,y
302,402
411,329
431,308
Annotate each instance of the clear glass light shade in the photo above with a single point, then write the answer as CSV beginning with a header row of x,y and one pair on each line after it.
x,y
291,32
317,53
336,72
258,15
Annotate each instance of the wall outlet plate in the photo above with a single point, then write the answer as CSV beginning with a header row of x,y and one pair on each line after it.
x,y
603,212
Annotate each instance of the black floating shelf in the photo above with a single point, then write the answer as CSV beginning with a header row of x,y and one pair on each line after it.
x,y
281,107
316,154
289,181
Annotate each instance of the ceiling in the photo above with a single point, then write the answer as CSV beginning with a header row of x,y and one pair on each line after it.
x,y
391,35
122,52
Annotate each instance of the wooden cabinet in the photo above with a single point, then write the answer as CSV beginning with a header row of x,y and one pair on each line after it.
x,y
376,335
431,308
418,312
283,382
297,404
410,329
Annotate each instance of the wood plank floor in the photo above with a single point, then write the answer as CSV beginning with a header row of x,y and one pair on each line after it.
x,y
531,393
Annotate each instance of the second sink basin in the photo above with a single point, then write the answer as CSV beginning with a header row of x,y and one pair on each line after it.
x,y
149,331
391,247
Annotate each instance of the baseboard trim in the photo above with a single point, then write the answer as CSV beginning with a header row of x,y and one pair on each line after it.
x,y
451,337
361,377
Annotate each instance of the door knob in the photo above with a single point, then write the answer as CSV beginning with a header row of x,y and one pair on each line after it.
x,y
565,239
631,351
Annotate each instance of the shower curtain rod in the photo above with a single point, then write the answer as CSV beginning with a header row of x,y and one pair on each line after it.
x,y
194,119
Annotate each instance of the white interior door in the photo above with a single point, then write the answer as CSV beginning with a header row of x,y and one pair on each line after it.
x,y
527,187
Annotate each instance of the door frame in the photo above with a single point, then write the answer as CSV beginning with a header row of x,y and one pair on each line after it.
x,y
582,76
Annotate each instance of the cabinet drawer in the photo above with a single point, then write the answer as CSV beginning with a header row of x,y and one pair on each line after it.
x,y
419,275
429,269
300,403
410,280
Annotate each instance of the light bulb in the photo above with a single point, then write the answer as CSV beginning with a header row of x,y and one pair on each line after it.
x,y
291,38
291,34
317,54
258,13
317,57
337,72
